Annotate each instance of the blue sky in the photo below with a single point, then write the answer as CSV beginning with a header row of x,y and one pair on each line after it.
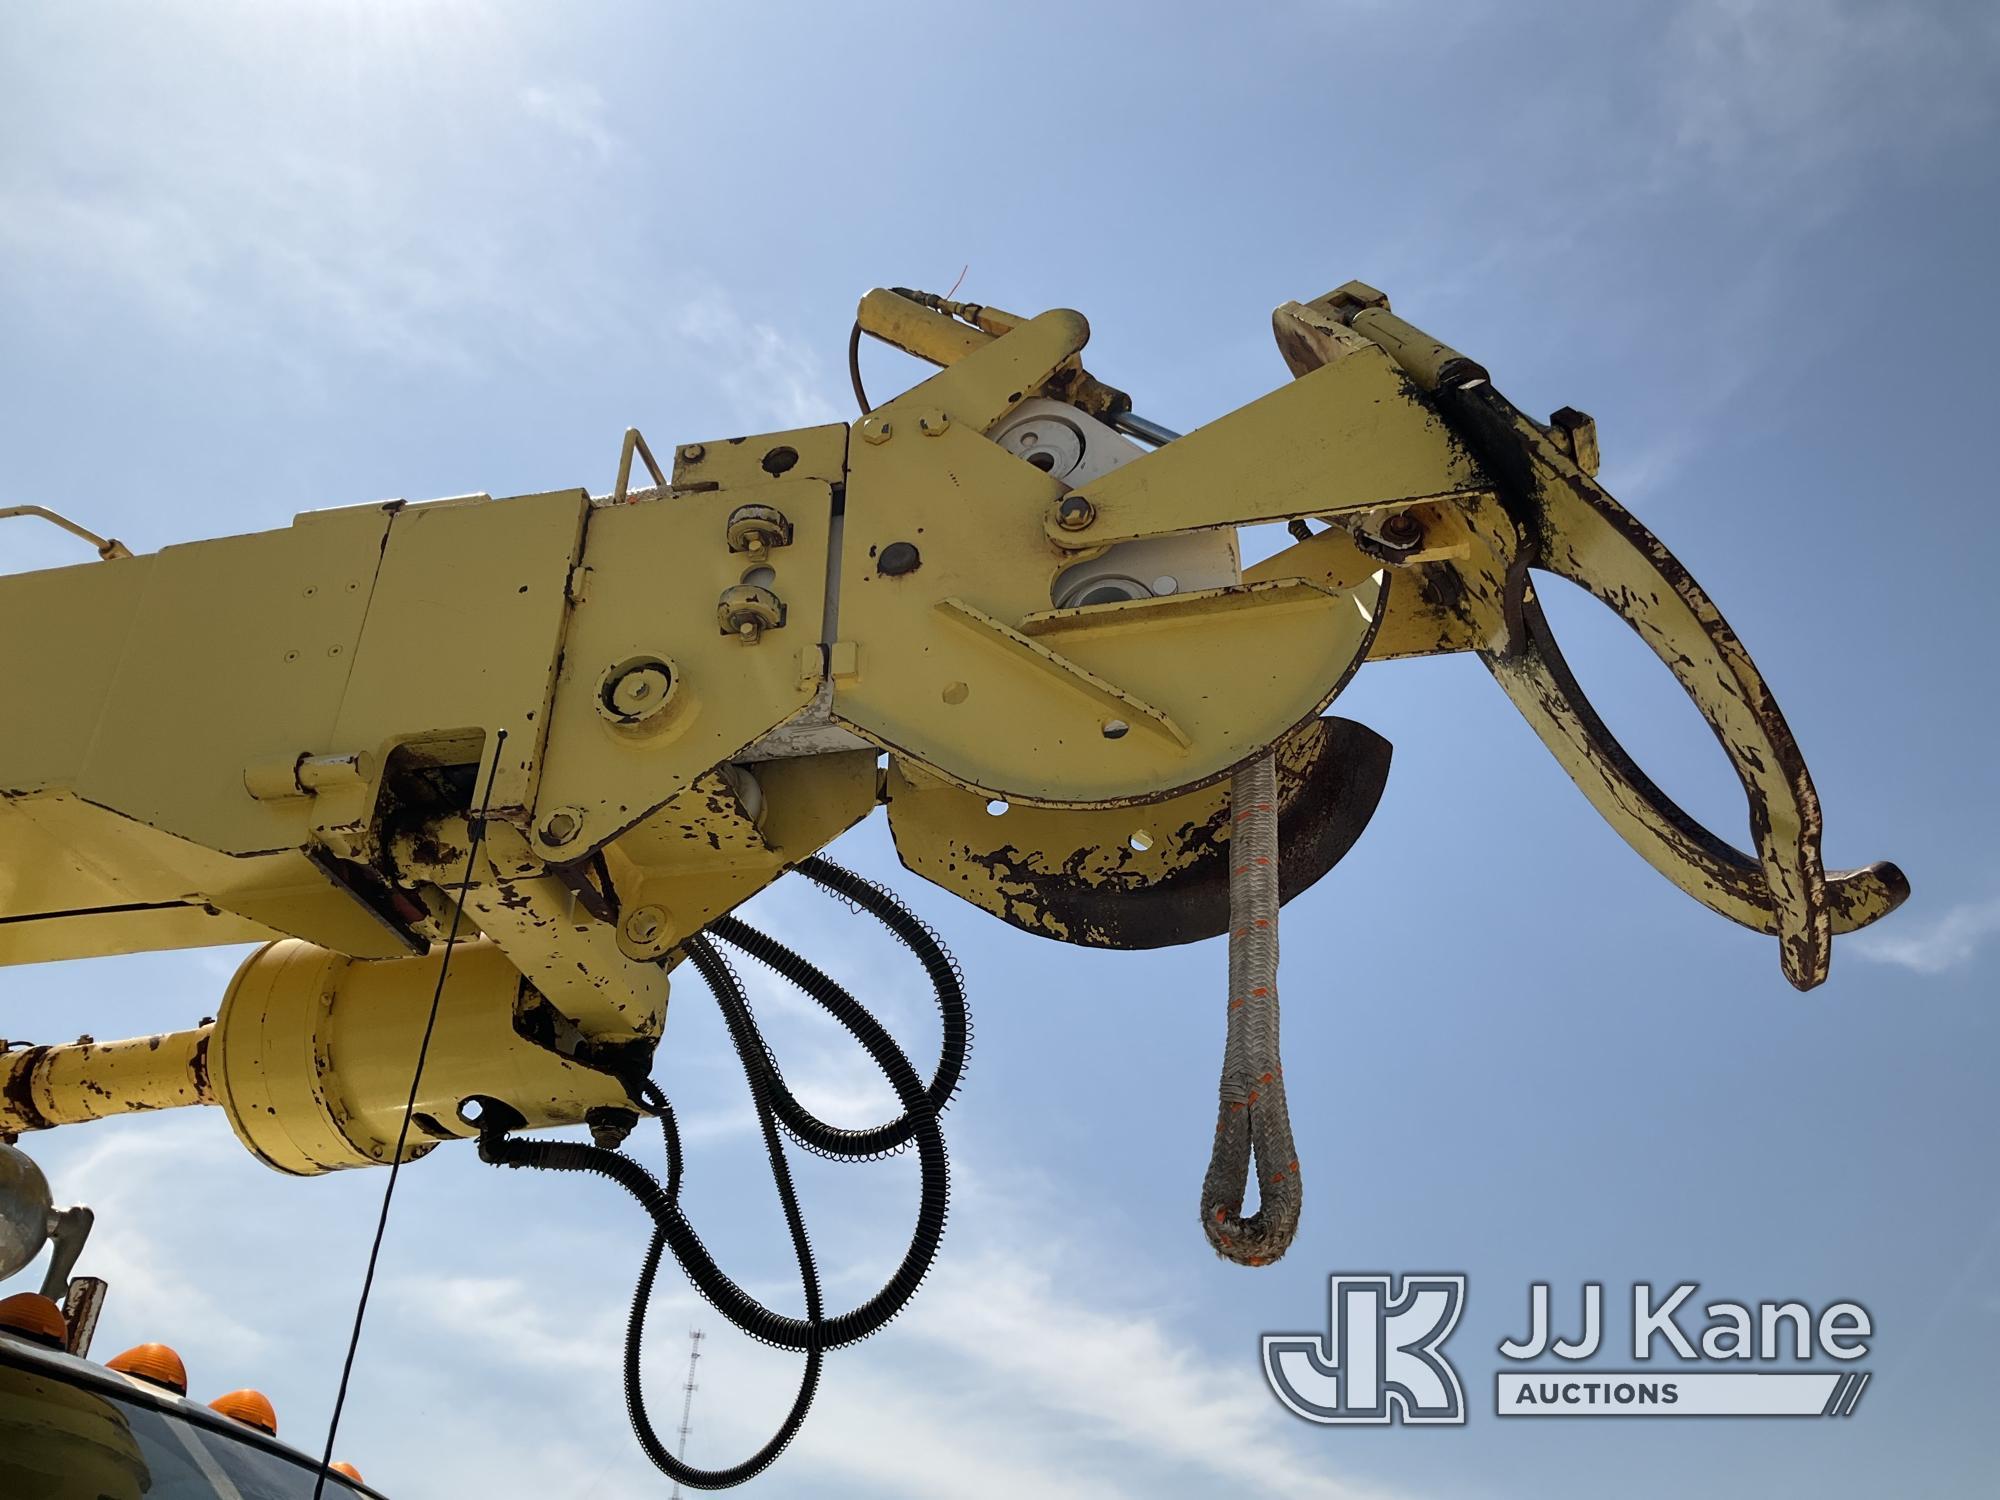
x,y
258,259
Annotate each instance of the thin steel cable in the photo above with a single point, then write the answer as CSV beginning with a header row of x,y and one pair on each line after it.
x,y
409,1109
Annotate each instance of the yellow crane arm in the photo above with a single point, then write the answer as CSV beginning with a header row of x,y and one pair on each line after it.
x,y
678,692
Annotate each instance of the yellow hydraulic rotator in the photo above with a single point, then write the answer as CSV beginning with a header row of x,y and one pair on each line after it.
x,y
310,1059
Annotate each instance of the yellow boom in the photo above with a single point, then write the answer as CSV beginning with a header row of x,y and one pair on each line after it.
x,y
676,693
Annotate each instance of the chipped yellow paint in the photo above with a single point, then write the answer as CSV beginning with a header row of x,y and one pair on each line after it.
x,y
674,699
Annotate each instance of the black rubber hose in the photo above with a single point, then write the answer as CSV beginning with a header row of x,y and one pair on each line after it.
x,y
854,367
710,1280
914,934
661,1205
807,1128
635,1330
933,1192
815,1334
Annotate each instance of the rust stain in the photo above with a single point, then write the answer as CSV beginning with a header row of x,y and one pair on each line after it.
x,y
19,1089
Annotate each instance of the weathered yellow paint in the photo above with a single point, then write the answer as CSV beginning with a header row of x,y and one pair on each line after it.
x,y
42,1087
653,573
311,1056
674,699
1345,437
1162,697
701,854
1142,876
737,463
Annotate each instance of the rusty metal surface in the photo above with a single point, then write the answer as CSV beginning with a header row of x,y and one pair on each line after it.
x,y
66,1084
1075,876
309,773
1459,572
1573,528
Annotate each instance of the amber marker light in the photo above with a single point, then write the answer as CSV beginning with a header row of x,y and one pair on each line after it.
x,y
155,1364
252,1408
35,1317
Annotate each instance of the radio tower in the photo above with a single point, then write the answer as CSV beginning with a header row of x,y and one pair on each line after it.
x,y
687,1401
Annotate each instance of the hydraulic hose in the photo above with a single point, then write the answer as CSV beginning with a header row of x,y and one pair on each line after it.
x,y
774,1103
576,1156
804,1127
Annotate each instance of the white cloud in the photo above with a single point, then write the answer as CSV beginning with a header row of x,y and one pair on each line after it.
x,y
1079,1356
1806,84
574,110
146,1243
1022,1367
766,375
1950,940
278,249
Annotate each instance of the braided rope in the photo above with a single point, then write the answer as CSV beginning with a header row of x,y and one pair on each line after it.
x,y
1252,1120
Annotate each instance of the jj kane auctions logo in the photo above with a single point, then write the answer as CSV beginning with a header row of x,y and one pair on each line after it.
x,y
1381,1358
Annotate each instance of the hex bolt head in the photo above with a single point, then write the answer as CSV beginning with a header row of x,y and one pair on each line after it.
x,y
876,430
898,558
1402,531
610,1126
933,422
1075,513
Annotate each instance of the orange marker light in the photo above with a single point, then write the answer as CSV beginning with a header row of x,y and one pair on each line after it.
x,y
155,1364
350,1471
35,1317
250,1407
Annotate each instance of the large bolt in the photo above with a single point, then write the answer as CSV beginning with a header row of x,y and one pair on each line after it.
x,y
610,1125
1075,513
756,528
635,694
897,559
747,610
876,430
1402,531
645,925
933,422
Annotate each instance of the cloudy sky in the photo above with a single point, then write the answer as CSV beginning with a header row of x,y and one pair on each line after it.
x,y
257,259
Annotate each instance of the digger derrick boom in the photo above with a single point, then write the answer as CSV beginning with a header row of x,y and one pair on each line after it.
x,y
680,691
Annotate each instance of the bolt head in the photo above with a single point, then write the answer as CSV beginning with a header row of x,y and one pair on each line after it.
x,y
693,452
640,689
561,827
876,430
1402,530
933,422
898,558
645,924
1075,513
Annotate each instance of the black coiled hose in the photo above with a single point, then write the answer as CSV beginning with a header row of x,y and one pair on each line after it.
x,y
804,1127
774,1104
